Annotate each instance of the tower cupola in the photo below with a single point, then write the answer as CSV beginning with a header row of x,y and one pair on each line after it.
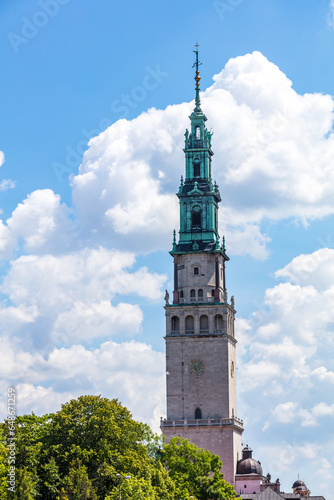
x,y
199,196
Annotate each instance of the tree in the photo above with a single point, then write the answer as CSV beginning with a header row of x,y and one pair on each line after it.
x,y
49,480
25,488
196,472
29,432
4,467
75,454
102,435
79,486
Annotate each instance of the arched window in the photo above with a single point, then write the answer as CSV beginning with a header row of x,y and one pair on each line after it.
x,y
196,217
197,169
189,324
181,294
200,294
219,323
198,414
175,324
192,296
196,270
197,132
204,324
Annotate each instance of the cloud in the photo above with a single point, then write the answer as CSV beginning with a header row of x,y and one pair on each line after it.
x,y
39,224
316,268
7,184
323,374
41,221
273,160
330,17
286,366
323,410
286,412
130,371
68,298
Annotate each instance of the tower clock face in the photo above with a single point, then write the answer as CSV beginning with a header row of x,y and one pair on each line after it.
x,y
197,367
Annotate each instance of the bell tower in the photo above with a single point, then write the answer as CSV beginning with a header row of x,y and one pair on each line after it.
x,y
200,337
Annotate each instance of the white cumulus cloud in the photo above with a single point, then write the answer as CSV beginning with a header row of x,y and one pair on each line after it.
x,y
131,371
75,297
273,160
286,368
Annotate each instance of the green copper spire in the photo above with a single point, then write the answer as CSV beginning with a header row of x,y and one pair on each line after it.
x,y
199,196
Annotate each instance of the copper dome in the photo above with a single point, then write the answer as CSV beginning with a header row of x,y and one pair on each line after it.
x,y
248,465
299,486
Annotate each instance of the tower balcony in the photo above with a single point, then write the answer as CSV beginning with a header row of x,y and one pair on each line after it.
x,y
233,421
191,333
198,300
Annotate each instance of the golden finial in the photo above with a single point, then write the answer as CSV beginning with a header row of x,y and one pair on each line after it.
x,y
196,64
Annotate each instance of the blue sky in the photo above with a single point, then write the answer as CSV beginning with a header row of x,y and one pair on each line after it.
x,y
84,238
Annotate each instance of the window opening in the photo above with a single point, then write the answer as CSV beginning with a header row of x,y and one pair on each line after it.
x,y
197,169
197,132
198,414
196,217
204,324
219,324
189,324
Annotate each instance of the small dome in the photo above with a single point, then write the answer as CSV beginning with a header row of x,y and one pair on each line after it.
x,y
249,466
299,486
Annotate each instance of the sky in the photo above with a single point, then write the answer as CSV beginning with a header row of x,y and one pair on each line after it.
x,y
94,102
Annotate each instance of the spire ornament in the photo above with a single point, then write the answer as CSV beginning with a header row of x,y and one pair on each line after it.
x,y
196,64
174,240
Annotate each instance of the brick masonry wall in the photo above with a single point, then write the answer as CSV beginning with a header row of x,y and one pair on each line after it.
x,y
214,390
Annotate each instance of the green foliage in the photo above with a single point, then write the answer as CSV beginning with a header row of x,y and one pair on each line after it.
x,y
75,454
196,472
79,486
49,480
25,484
101,434
4,467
